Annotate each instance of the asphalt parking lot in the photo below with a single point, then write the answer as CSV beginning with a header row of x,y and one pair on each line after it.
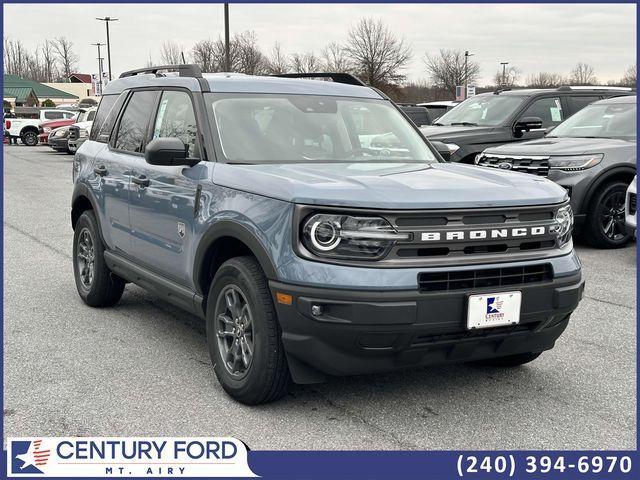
x,y
142,368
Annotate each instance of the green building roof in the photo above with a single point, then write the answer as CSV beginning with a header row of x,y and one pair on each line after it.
x,y
42,91
19,93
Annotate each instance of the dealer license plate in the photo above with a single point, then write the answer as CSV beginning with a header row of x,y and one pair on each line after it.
x,y
494,310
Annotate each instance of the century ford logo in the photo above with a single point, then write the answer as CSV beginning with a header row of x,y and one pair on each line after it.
x,y
483,234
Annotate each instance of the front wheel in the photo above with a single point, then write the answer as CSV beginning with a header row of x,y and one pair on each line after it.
x,y
30,139
243,334
605,226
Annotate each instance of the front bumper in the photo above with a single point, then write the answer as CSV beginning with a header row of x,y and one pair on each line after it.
x,y
363,332
59,144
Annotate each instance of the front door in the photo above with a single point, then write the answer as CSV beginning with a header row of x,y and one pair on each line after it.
x,y
163,201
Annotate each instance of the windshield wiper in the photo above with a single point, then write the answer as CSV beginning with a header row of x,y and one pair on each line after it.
x,y
438,124
465,124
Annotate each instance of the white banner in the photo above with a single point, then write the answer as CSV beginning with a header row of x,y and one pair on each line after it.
x,y
127,457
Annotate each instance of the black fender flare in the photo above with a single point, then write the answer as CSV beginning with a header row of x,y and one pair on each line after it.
x,y
81,190
603,178
233,229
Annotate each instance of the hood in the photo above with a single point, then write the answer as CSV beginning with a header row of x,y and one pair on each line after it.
x,y
562,146
85,125
448,132
57,123
390,186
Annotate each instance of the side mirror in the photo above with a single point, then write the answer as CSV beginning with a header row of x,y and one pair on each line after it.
x,y
442,149
167,151
528,123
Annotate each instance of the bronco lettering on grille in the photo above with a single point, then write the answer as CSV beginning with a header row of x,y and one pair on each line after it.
x,y
483,234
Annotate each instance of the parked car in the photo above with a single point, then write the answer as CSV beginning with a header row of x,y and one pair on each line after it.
x,y
59,139
28,119
437,109
504,116
46,128
417,114
78,134
593,156
257,208
631,209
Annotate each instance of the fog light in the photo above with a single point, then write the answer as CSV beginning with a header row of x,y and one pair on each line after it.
x,y
316,310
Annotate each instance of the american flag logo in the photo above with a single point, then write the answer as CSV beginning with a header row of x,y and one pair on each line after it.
x,y
37,455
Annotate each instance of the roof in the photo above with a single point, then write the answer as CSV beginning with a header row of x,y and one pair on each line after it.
x,y
21,94
617,100
441,103
239,83
42,91
83,77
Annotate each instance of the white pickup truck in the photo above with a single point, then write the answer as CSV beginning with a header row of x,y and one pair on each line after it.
x,y
27,120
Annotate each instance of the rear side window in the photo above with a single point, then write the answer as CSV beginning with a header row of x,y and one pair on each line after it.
x,y
549,110
578,103
53,115
134,123
105,117
91,116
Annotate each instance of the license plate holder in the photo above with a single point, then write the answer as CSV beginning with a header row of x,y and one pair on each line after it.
x,y
488,310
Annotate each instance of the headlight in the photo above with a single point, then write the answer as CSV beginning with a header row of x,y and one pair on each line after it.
x,y
478,158
83,133
573,163
564,224
61,133
345,236
46,129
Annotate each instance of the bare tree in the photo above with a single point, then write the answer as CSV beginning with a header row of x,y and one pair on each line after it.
x,y
15,57
630,78
510,77
277,62
376,53
583,74
250,60
306,63
447,69
545,80
336,59
66,56
49,60
207,55
170,53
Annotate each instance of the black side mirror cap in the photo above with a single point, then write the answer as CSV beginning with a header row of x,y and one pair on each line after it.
x,y
528,123
442,149
168,151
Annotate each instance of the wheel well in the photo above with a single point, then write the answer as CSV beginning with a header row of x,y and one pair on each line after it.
x,y
625,176
221,250
80,204
29,128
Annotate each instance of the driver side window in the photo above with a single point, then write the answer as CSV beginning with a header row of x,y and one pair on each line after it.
x,y
549,110
176,118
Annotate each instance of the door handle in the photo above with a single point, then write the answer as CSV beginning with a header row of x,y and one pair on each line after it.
x,y
101,170
142,181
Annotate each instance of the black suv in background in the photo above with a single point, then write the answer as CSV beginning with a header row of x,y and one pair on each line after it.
x,y
504,116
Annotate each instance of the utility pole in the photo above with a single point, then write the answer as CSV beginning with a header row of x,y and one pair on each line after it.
x,y
227,60
466,70
106,20
504,73
99,84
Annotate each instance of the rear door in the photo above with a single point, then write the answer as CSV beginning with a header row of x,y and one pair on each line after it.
x,y
163,210
116,164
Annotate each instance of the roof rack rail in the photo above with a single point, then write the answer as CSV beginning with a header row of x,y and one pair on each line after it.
x,y
567,88
185,70
498,91
336,77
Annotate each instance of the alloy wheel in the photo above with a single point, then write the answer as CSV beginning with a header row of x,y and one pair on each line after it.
x,y
234,329
85,258
612,216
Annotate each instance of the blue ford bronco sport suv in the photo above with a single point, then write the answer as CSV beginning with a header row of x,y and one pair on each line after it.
x,y
264,206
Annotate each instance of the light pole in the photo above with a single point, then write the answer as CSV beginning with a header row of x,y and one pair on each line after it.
x,y
227,60
99,84
466,70
504,73
106,20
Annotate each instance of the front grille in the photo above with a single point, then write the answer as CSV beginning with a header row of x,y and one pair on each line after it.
x,y
535,165
484,278
632,204
74,133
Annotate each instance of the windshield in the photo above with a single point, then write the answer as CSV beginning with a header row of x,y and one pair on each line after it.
x,y
483,110
600,121
271,128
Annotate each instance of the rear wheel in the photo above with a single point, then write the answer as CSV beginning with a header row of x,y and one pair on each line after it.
x,y
30,138
243,334
605,226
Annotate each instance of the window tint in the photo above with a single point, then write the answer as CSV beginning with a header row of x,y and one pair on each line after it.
x,y
69,115
105,117
578,103
549,110
176,118
135,119
53,115
91,115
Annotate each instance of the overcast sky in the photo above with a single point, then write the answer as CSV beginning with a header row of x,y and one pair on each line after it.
x,y
536,37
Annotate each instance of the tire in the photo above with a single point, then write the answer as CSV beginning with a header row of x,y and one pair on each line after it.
x,y
250,379
97,287
511,360
605,222
30,138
